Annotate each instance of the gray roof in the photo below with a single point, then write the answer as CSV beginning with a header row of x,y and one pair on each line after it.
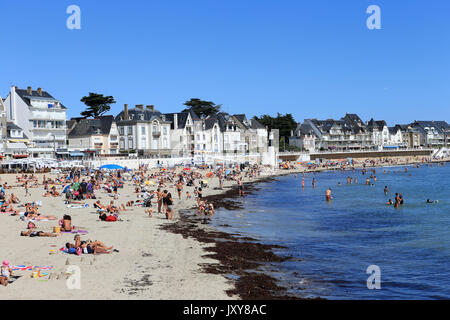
x,y
141,115
12,126
181,118
88,127
26,97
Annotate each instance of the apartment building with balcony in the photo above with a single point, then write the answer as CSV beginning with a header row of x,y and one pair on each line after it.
x,y
42,119
433,134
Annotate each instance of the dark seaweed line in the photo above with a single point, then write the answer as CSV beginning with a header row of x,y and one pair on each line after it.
x,y
239,256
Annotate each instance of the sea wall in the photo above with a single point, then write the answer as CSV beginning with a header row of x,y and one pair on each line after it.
x,y
371,154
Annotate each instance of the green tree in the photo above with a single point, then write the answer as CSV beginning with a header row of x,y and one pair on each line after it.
x,y
202,108
97,104
285,123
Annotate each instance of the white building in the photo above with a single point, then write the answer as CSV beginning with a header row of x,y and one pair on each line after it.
x,y
144,130
183,128
42,118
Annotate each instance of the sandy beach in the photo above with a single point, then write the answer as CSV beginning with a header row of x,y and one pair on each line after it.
x,y
156,260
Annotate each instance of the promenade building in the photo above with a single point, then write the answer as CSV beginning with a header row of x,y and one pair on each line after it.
x,y
42,119
433,134
144,131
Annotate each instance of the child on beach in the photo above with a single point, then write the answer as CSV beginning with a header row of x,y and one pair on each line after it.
x,y
6,273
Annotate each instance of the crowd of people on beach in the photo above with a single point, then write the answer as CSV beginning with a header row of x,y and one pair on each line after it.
x,y
79,189
155,191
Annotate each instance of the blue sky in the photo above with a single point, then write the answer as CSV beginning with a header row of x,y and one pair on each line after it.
x,y
308,58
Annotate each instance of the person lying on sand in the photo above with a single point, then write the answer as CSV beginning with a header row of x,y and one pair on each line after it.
x,y
13,199
88,247
31,233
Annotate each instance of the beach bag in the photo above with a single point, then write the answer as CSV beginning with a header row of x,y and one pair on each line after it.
x,y
111,218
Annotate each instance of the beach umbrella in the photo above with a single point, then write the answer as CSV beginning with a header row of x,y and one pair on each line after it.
x,y
111,167
227,172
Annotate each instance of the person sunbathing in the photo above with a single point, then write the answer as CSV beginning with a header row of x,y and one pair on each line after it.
x,y
93,247
13,199
31,233
98,205
103,216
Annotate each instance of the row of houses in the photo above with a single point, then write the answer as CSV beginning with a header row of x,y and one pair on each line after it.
x,y
351,133
34,124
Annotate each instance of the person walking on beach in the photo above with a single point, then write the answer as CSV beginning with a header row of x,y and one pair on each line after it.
x,y
220,182
159,194
168,203
26,189
179,188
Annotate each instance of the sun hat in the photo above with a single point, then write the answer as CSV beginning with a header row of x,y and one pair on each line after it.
x,y
5,263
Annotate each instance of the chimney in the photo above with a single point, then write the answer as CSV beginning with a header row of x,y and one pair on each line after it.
x,y
125,112
13,103
140,106
39,90
30,91
175,121
151,108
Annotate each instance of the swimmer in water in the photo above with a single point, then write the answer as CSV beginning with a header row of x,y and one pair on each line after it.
x,y
390,203
328,195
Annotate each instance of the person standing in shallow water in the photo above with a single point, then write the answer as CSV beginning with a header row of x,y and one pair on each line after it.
x,y
240,187
328,195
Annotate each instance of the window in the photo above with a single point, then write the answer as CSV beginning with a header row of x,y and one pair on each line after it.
x,y
204,137
165,143
143,130
204,147
130,130
121,130
165,131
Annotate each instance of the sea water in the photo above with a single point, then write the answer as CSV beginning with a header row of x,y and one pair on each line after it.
x,y
334,243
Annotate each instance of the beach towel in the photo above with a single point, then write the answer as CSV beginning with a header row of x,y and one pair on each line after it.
x,y
71,206
28,267
76,231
